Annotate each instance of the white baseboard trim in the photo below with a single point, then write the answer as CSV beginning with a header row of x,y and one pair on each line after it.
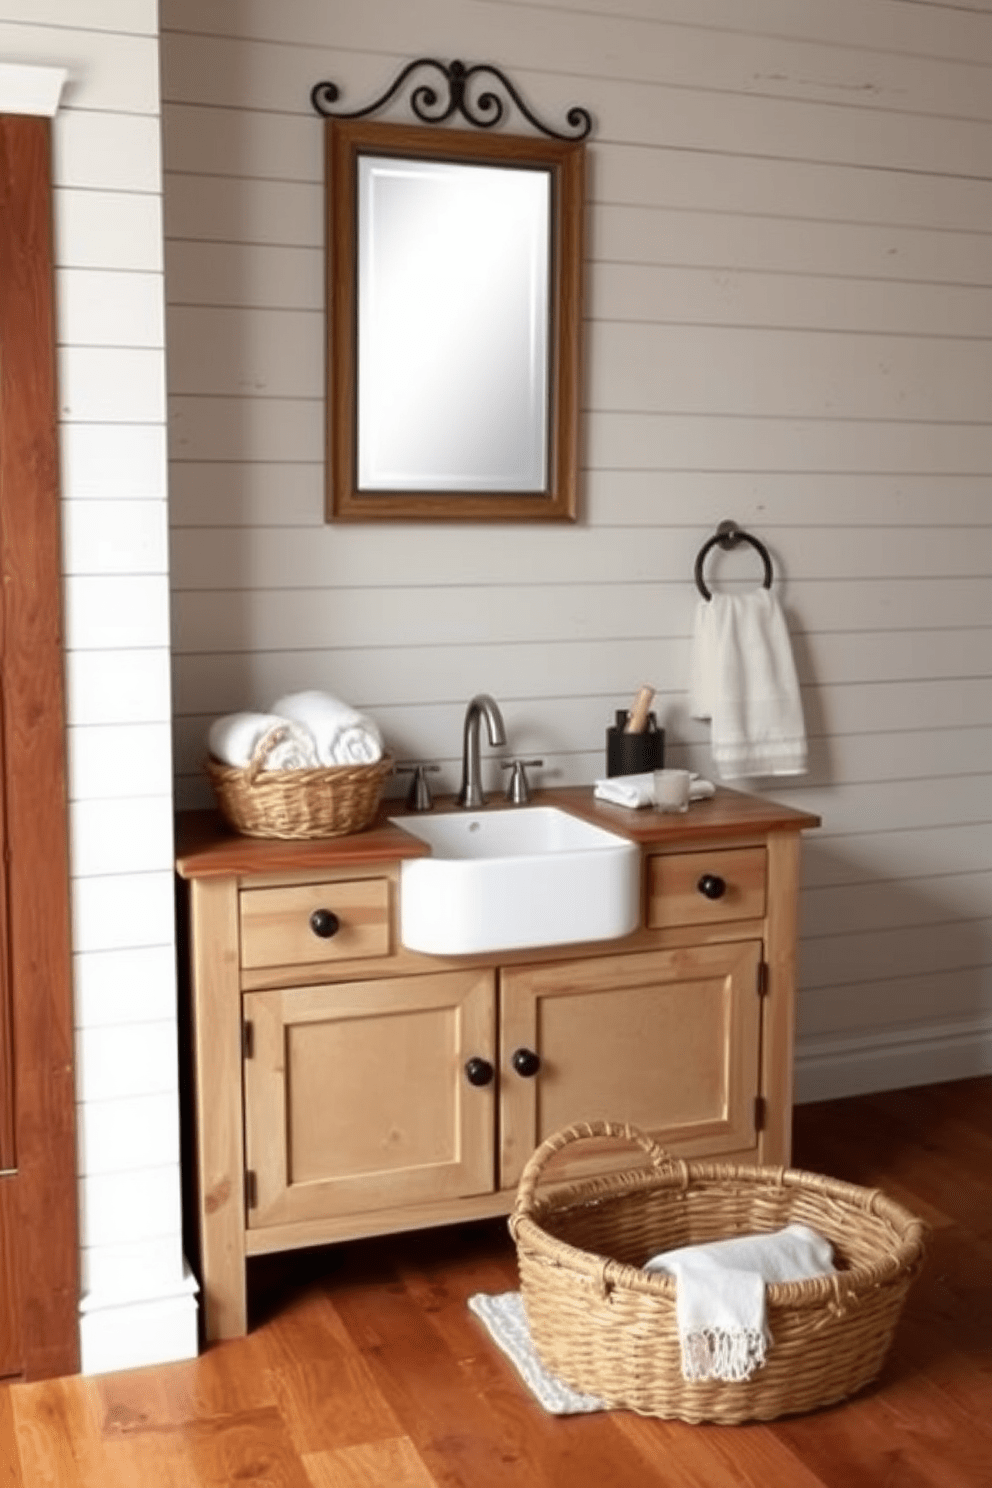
x,y
829,1068
118,1335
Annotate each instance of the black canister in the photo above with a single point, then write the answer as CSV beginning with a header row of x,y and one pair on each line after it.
x,y
632,754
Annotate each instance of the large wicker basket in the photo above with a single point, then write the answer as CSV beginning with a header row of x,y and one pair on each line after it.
x,y
297,804
608,1328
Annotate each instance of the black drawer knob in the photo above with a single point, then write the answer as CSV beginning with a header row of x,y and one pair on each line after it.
x,y
479,1071
325,923
525,1062
712,886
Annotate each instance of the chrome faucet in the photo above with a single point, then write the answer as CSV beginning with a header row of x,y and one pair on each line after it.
x,y
482,705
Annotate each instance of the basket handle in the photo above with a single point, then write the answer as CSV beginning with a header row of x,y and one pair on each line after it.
x,y
620,1131
263,748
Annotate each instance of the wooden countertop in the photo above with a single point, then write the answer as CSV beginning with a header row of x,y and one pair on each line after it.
x,y
207,848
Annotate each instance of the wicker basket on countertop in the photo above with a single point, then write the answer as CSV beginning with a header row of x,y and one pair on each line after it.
x,y
608,1328
331,801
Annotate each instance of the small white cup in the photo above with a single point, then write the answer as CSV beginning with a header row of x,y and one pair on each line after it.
x,y
671,790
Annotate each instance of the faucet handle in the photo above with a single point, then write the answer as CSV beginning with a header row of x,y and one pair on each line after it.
x,y
518,789
418,797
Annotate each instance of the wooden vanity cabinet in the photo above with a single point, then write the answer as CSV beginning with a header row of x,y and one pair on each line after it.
x,y
353,1097
344,1086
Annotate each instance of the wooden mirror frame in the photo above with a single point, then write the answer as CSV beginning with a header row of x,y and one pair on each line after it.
x,y
346,140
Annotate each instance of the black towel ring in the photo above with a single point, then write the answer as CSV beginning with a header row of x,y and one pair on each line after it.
x,y
729,535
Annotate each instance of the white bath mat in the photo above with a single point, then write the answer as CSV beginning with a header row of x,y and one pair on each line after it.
x,y
504,1317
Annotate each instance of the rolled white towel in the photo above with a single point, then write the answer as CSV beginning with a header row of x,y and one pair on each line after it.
x,y
234,739
343,736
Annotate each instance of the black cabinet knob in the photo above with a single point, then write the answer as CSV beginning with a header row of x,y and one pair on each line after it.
x,y
325,923
525,1062
712,886
478,1071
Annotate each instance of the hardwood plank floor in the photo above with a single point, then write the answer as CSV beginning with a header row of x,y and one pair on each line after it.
x,y
365,1368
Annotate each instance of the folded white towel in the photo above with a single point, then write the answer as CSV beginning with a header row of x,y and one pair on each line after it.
x,y
638,790
743,678
234,739
720,1295
343,736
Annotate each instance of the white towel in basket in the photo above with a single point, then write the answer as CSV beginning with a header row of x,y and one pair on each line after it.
x,y
720,1295
343,736
234,738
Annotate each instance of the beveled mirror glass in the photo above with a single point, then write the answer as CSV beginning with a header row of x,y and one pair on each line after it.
x,y
454,273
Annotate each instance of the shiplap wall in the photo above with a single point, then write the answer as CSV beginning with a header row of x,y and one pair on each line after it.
x,y
137,1306
789,322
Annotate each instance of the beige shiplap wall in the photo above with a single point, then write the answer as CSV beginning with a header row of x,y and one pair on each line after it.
x,y
789,322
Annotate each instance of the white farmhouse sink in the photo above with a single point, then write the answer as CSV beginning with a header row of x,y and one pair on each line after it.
x,y
503,880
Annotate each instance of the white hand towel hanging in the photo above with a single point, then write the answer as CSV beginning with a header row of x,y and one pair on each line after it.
x,y
743,678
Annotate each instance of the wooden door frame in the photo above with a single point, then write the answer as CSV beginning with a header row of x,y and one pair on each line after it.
x,y
39,964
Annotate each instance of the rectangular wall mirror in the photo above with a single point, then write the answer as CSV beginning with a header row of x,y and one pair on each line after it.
x,y
454,299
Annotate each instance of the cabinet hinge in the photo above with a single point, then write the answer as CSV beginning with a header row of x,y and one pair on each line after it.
x,y
762,978
248,1039
251,1189
760,1112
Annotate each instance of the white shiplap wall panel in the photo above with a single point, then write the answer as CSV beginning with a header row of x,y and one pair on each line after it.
x,y
237,494
965,997
111,537
274,278
936,30
896,903
116,73
752,189
257,429
275,558
121,760
673,113
930,31
728,297
103,308
802,375
788,245
789,321
208,622
108,230
108,151
686,60
118,17
664,441
227,145
866,855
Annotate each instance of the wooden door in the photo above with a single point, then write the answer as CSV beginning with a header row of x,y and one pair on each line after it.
x,y
10,1339
356,1096
39,1287
667,1040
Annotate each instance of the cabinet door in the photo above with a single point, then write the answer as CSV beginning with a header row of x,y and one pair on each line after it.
x,y
356,1096
667,1040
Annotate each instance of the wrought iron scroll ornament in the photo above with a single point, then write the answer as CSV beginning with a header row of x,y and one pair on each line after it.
x,y
483,109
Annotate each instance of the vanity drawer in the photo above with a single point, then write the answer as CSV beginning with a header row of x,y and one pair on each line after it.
x,y
706,888
309,923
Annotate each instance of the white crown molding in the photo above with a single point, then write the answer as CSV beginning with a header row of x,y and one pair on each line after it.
x,y
30,90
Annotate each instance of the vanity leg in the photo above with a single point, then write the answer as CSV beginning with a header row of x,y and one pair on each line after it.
x,y
216,1018
777,1053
